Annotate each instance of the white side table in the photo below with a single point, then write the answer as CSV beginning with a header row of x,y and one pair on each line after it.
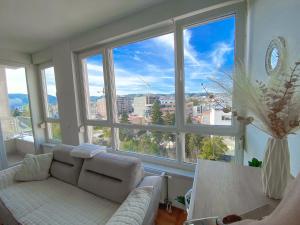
x,y
221,189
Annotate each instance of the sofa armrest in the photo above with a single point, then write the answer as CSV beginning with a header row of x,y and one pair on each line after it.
x,y
156,182
7,176
133,210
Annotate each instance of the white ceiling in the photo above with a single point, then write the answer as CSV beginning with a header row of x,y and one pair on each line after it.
x,y
32,25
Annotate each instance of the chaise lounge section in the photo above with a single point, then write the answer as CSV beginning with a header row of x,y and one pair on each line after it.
x,y
106,189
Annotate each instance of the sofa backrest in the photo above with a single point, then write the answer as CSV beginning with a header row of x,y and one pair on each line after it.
x,y
65,167
111,176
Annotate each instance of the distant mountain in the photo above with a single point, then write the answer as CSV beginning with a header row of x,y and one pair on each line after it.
x,y
19,100
95,98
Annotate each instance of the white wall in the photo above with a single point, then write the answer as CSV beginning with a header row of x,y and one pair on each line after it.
x,y
68,107
13,57
269,19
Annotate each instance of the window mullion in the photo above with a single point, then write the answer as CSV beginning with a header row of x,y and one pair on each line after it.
x,y
109,77
179,93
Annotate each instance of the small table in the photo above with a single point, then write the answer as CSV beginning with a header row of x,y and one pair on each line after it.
x,y
221,189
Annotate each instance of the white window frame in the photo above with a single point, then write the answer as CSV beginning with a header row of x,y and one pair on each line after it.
x,y
180,128
47,120
235,129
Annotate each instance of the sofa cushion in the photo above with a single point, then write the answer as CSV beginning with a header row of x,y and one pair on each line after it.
x,y
34,167
65,167
55,202
111,176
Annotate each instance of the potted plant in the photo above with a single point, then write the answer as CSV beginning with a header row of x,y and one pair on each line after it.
x,y
255,163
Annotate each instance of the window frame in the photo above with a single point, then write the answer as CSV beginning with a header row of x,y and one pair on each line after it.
x,y
85,89
235,129
180,128
46,119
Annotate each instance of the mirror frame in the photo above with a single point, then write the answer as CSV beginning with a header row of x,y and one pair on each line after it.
x,y
280,45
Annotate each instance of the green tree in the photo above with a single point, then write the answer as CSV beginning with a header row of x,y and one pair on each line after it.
x,y
56,131
169,118
188,151
189,119
16,112
156,114
213,148
123,132
156,118
26,111
124,118
193,145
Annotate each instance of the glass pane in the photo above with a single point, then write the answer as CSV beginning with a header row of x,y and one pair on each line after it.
x,y
54,132
208,59
145,81
99,135
146,142
15,115
51,97
220,148
93,72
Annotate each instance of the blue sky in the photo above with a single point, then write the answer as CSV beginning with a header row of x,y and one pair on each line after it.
x,y
148,66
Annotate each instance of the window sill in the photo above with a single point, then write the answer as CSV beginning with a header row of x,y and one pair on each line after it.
x,y
157,169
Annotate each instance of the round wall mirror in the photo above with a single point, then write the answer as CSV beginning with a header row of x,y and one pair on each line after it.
x,y
275,56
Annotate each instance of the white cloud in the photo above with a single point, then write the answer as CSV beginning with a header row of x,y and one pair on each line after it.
x,y
95,79
167,40
128,82
218,55
95,68
197,68
137,58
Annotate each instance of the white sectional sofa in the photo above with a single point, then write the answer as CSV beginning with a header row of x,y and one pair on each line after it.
x,y
106,189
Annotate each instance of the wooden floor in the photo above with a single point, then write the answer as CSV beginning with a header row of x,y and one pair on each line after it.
x,y
177,217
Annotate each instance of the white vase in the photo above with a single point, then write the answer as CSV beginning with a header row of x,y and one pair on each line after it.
x,y
276,167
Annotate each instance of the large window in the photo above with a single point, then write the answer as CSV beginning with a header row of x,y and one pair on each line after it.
x,y
145,94
145,81
95,92
51,114
50,93
208,59
15,114
159,91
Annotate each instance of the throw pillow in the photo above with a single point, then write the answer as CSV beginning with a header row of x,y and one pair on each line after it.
x,y
34,167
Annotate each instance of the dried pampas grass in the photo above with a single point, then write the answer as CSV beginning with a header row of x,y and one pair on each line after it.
x,y
272,106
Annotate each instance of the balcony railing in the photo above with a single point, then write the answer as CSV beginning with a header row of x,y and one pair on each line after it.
x,y
16,127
